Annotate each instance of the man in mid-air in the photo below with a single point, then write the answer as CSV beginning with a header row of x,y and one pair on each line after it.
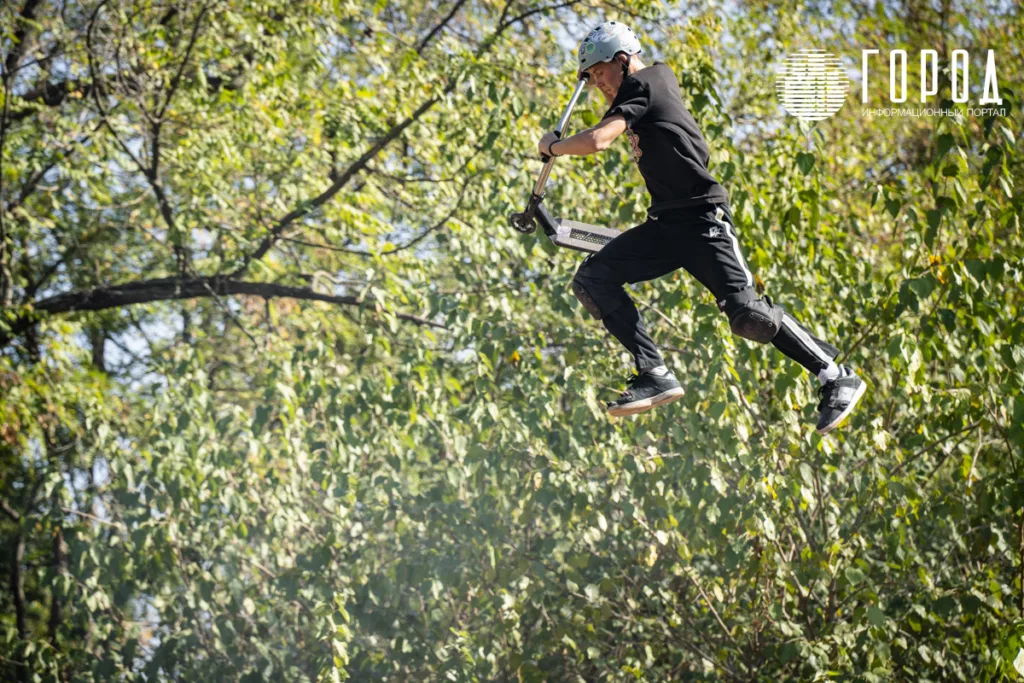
x,y
689,226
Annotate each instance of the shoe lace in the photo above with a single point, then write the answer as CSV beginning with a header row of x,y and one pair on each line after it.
x,y
825,393
631,381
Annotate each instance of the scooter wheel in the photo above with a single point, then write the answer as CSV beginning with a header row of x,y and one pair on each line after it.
x,y
521,223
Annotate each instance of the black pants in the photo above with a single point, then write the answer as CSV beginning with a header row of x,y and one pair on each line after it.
x,y
702,240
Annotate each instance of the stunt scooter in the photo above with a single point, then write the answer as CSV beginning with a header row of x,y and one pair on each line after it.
x,y
564,233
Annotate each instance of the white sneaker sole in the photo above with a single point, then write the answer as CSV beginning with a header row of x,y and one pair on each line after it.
x,y
646,404
846,413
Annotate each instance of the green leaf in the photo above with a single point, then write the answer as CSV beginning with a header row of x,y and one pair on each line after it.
x,y
893,205
260,418
1004,183
923,286
961,192
854,575
1017,424
807,473
805,162
945,144
1011,140
1018,661
934,217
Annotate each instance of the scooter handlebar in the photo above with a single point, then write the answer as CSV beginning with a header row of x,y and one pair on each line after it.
x,y
524,221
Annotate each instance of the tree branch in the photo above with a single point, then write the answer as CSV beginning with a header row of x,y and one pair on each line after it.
x,y
9,511
305,207
24,32
181,67
53,95
921,451
359,164
48,95
444,22
177,288
99,93
18,591
536,10
418,238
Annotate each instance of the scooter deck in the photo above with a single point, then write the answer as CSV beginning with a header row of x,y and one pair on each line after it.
x,y
582,236
572,234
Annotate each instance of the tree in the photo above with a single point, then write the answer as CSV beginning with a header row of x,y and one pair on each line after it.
x,y
285,398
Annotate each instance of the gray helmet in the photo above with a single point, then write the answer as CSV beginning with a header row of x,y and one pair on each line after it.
x,y
604,42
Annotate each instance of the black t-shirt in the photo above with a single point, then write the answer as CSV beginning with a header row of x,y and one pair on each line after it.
x,y
667,145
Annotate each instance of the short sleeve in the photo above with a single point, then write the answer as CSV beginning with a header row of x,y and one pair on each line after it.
x,y
632,101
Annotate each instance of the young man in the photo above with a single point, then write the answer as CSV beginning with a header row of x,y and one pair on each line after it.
x,y
689,226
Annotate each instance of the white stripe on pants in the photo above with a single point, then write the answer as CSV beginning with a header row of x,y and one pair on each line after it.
x,y
719,214
805,339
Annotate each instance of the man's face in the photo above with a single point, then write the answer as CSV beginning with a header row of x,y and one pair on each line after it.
x,y
606,77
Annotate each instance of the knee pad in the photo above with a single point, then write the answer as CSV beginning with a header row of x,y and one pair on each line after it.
x,y
595,286
752,318
584,297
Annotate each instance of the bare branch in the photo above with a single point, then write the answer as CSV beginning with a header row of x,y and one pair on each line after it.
x,y
178,288
231,314
921,451
181,67
325,196
48,95
359,164
518,18
430,36
23,34
72,511
418,238
98,92
404,179
9,511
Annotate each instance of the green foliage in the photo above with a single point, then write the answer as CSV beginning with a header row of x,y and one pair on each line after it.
x,y
417,481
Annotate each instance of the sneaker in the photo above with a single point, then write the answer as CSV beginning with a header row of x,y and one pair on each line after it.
x,y
838,399
644,391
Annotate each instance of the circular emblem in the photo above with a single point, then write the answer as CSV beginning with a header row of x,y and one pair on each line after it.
x,y
812,85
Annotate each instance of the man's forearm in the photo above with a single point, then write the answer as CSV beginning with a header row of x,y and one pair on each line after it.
x,y
583,143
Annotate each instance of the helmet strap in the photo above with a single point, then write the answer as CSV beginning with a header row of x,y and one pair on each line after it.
x,y
625,67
